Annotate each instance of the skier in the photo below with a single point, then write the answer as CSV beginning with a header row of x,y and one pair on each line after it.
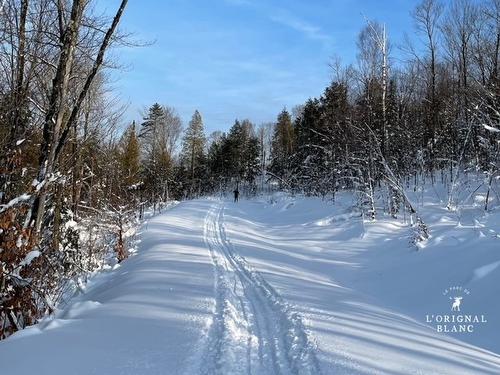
x,y
236,195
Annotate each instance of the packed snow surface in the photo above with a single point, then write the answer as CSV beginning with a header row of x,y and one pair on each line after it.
x,y
279,286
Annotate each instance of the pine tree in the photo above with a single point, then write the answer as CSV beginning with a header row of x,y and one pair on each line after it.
x,y
193,152
282,146
159,134
307,137
244,151
235,158
149,137
334,136
217,161
252,159
234,150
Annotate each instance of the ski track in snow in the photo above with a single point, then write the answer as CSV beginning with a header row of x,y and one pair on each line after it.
x,y
253,330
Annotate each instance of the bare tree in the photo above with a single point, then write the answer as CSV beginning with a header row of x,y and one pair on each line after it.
x,y
373,60
51,59
427,16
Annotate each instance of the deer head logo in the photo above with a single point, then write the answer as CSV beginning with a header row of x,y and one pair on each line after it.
x,y
457,301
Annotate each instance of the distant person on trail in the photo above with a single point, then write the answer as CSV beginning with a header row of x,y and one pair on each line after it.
x,y
236,195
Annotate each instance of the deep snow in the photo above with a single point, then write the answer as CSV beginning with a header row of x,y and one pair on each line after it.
x,y
288,285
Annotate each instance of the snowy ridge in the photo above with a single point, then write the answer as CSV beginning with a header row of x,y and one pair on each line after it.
x,y
251,321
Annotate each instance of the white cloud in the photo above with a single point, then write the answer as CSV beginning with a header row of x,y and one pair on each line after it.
x,y
285,18
309,30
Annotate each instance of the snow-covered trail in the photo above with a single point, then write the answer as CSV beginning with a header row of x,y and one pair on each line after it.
x,y
293,287
253,331
145,317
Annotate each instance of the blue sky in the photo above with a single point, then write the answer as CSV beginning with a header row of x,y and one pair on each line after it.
x,y
241,58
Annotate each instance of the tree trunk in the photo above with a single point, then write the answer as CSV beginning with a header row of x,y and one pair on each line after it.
x,y
55,114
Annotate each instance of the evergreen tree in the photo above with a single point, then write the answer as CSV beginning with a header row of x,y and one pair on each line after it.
x,y
159,133
248,150
307,137
236,157
193,156
151,124
217,160
334,136
252,159
130,156
242,148
282,146
235,151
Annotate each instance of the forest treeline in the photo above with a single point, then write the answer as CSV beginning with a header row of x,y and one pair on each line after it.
x,y
72,182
